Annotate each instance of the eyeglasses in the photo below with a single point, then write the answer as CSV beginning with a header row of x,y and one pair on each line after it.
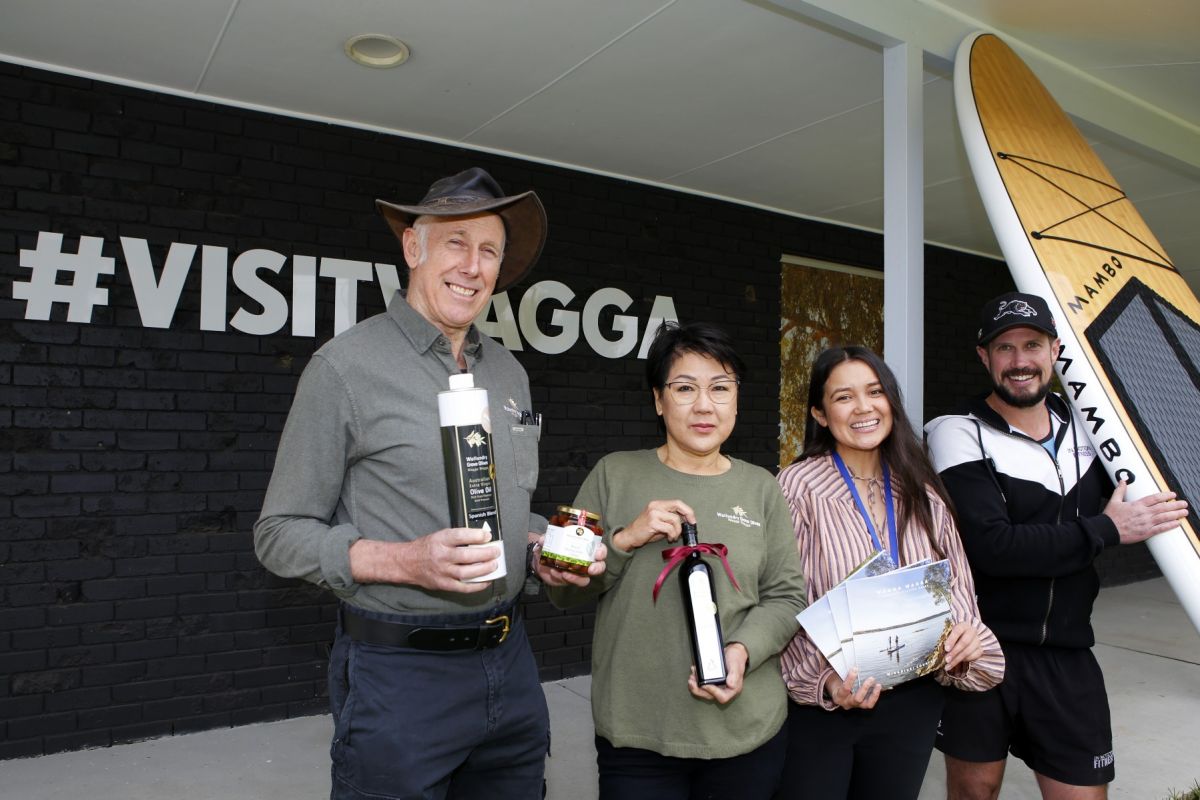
x,y
684,393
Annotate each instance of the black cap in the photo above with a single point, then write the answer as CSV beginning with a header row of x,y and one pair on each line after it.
x,y
1014,310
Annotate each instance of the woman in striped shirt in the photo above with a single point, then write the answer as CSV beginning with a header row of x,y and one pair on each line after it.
x,y
864,484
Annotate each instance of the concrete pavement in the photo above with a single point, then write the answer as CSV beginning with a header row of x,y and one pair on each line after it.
x,y
1147,647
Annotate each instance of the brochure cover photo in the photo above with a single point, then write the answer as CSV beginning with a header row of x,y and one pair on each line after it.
x,y
900,620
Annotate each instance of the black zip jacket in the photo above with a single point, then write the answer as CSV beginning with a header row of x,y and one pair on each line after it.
x,y
1031,524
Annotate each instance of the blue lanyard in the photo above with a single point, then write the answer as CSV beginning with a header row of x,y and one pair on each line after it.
x,y
862,509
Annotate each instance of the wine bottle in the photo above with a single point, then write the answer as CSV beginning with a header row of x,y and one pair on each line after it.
x,y
703,619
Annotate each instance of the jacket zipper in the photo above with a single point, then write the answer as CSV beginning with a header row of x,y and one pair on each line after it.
x,y
1062,499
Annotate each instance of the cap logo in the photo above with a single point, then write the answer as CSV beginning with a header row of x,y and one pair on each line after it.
x,y
1016,308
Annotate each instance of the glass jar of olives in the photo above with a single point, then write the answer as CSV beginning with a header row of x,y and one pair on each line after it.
x,y
571,540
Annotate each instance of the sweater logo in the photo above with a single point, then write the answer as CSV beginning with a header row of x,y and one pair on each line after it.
x,y
739,517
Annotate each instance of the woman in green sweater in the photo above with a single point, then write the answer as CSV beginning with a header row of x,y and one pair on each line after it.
x,y
659,734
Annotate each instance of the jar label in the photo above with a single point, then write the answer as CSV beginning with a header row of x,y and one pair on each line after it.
x,y
573,544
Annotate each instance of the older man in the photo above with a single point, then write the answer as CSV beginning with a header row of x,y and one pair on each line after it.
x,y
432,682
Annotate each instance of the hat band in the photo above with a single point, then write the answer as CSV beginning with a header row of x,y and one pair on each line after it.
x,y
456,201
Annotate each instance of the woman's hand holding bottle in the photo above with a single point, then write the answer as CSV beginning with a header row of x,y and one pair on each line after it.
x,y
660,519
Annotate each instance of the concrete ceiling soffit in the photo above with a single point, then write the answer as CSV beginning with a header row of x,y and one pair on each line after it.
x,y
938,30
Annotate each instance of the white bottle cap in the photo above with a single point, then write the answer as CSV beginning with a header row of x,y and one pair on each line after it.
x,y
461,380
463,403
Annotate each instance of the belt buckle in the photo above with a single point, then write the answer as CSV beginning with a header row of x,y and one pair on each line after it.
x,y
507,622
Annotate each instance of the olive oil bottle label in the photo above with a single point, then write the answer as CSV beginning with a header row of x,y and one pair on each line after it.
x,y
470,470
471,478
709,652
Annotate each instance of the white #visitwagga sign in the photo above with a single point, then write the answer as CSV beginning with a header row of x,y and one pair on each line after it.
x,y
157,295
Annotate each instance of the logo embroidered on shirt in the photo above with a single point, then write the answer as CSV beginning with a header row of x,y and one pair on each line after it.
x,y
739,517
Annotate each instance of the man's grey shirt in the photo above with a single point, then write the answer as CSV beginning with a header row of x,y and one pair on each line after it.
x,y
361,457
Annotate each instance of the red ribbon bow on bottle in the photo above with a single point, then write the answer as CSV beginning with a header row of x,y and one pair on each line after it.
x,y
674,555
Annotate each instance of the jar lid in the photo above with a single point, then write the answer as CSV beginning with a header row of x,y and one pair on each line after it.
x,y
575,512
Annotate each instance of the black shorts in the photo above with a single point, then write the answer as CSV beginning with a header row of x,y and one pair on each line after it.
x,y
1051,712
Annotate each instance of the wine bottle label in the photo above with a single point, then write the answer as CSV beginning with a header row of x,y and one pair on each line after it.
x,y
574,544
704,619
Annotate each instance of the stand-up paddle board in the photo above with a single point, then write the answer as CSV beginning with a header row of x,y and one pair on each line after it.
x,y
1131,338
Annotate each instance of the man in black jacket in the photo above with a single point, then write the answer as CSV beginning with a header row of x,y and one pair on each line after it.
x,y
1034,511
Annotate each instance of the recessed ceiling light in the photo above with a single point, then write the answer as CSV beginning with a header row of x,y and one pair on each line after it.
x,y
377,50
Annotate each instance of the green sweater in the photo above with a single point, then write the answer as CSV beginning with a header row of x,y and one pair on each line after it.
x,y
641,656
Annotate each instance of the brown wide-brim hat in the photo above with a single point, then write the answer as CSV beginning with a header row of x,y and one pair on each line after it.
x,y
474,191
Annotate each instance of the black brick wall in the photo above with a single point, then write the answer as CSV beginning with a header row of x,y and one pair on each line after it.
x,y
134,459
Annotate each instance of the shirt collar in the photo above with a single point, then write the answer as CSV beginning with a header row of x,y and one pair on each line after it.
x,y
839,490
423,334
1059,410
1058,407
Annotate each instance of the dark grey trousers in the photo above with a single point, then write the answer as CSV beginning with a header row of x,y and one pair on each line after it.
x,y
412,724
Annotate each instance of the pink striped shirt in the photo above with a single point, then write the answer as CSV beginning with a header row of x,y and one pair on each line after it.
x,y
832,539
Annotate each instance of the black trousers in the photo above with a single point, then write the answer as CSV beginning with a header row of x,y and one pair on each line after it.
x,y
882,752
628,773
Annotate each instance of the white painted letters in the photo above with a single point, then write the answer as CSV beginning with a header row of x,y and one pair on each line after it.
x,y
157,295
157,299
274,306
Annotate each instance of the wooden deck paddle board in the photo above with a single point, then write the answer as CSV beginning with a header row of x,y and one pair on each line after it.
x,y
1128,322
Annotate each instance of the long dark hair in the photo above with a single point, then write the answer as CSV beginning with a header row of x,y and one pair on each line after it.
x,y
911,471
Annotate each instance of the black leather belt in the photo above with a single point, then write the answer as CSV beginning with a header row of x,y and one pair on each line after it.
x,y
482,636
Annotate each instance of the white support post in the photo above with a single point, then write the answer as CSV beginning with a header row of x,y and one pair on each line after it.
x,y
904,223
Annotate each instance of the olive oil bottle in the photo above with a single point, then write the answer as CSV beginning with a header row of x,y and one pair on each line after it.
x,y
703,619
470,469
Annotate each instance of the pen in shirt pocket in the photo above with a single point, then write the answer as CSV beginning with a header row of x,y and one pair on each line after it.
x,y
530,418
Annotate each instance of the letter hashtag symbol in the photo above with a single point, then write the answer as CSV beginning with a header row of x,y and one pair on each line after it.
x,y
42,289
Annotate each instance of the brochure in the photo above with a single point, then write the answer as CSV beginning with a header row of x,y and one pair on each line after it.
x,y
817,620
840,607
827,620
890,623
